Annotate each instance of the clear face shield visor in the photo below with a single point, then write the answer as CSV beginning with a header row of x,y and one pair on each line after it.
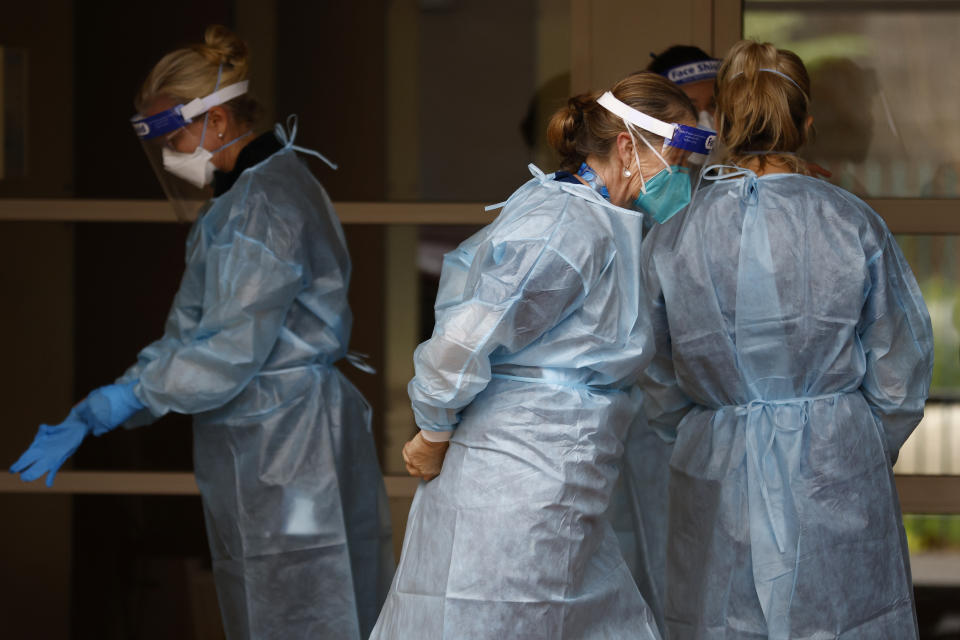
x,y
699,142
173,140
688,77
682,143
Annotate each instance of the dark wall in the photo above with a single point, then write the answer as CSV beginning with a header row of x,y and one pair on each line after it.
x,y
125,278
331,73
35,283
477,75
116,45
43,29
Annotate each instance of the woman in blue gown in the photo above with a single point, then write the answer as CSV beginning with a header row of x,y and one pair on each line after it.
x,y
294,501
541,331
793,359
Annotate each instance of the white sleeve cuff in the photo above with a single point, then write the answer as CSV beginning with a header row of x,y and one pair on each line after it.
x,y
436,436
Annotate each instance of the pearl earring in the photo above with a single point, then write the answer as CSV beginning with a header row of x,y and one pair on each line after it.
x,y
220,135
627,173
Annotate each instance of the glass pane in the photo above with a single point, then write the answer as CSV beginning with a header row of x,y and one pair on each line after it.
x,y
934,448
484,100
883,98
438,100
935,562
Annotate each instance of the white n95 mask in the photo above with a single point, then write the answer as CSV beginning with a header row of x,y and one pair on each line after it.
x,y
184,176
195,167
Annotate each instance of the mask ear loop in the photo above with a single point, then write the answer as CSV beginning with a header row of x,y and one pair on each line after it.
x,y
643,183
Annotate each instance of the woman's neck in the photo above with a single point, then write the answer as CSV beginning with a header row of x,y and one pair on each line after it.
x,y
226,159
763,165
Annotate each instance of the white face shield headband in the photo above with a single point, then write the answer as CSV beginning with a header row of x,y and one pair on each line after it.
x,y
693,71
679,136
174,118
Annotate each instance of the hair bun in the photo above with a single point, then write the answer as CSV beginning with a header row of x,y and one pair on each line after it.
x,y
565,128
225,47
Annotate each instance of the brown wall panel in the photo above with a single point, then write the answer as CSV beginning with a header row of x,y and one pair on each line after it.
x,y
117,43
44,29
331,73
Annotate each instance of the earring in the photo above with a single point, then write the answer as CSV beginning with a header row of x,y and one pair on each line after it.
x,y
220,135
627,173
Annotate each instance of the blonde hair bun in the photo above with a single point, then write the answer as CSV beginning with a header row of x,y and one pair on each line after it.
x,y
224,47
196,70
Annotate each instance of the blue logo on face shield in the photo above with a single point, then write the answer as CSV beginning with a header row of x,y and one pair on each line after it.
x,y
692,139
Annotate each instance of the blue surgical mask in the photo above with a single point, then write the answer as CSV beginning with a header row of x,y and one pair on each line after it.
x,y
665,194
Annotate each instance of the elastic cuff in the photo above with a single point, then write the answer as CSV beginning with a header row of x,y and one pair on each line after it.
x,y
436,436
131,393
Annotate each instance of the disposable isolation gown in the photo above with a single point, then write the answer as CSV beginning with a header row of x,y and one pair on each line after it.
x,y
638,511
294,502
541,328
793,341
638,506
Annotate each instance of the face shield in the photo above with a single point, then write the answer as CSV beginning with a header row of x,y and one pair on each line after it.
x,y
669,191
693,71
173,141
697,81
676,136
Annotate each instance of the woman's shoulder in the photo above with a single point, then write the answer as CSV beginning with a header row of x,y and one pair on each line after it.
x,y
840,204
545,211
277,202
788,192
556,225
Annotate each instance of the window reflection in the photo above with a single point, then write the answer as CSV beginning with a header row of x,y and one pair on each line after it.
x,y
934,448
483,100
934,543
884,96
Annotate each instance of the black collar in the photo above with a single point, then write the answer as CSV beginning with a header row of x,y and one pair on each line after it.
x,y
256,151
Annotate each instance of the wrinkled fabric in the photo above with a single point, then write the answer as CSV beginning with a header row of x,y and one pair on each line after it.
x,y
294,502
638,506
793,359
108,407
541,329
638,511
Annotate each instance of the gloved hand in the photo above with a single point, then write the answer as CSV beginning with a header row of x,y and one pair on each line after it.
x,y
108,407
50,449
424,459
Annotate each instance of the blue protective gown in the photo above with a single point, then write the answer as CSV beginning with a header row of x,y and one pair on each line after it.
x,y
541,328
794,355
638,511
638,507
295,505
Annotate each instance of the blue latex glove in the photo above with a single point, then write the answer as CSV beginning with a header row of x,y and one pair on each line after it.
x,y
108,407
50,449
